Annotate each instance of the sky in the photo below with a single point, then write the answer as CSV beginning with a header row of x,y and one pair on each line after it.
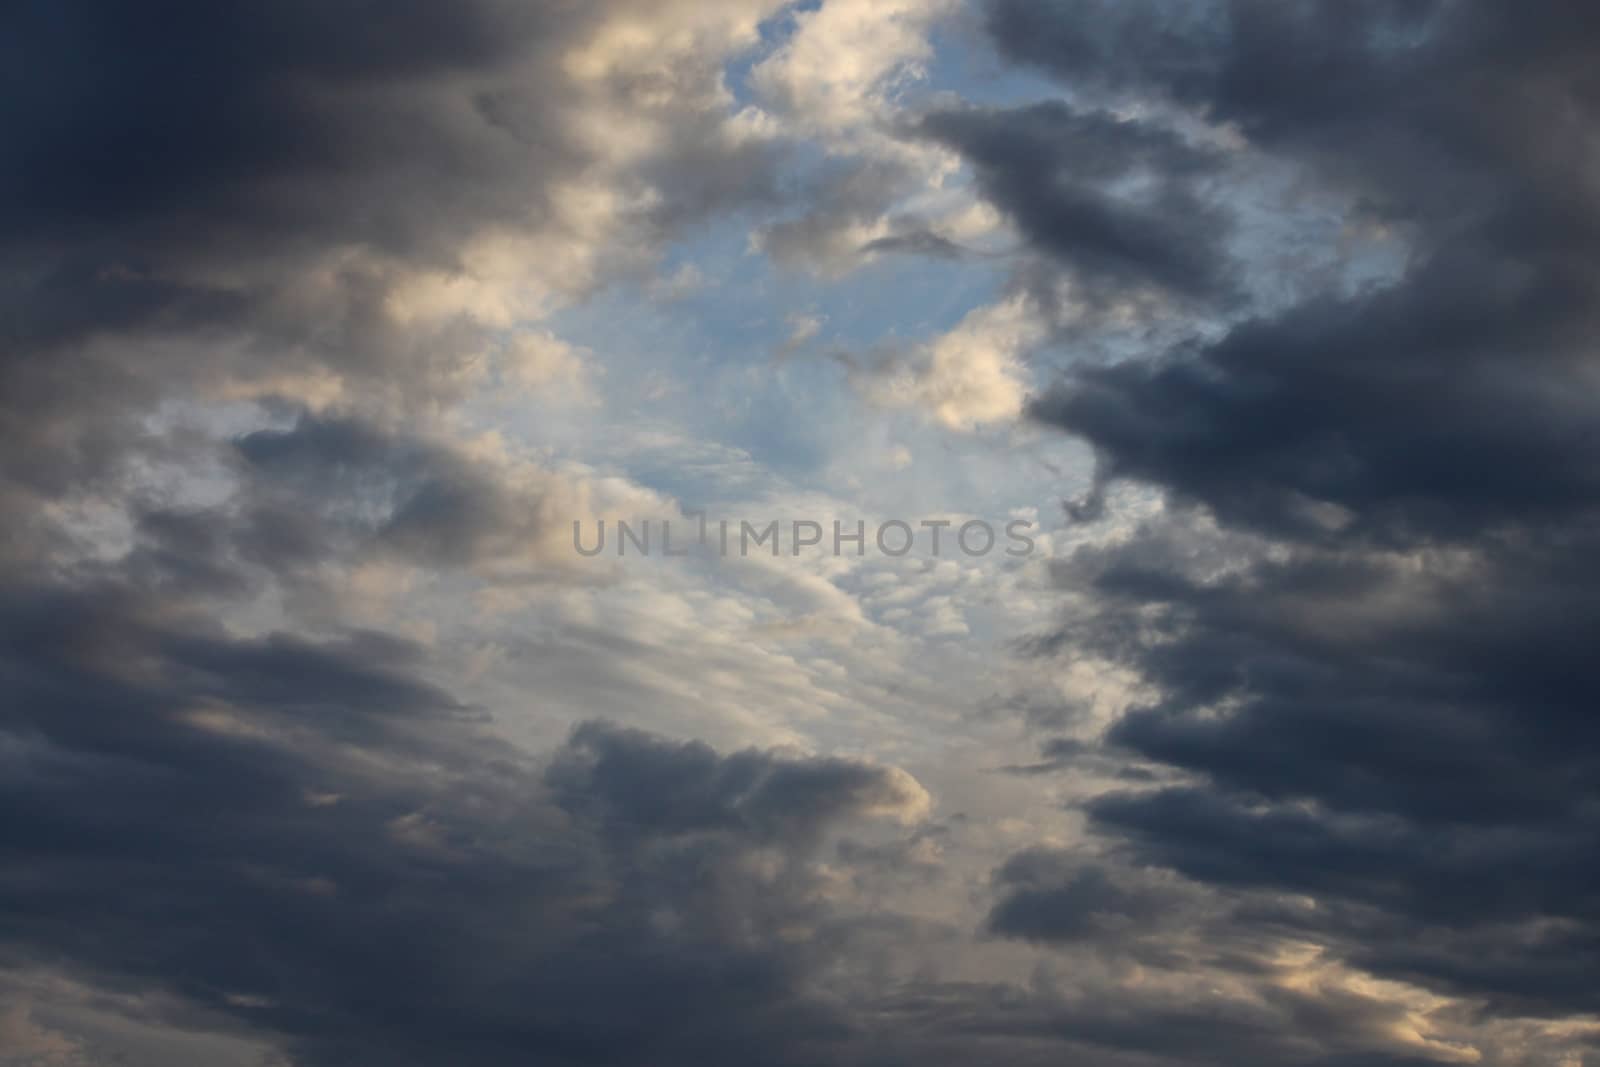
x,y
1258,334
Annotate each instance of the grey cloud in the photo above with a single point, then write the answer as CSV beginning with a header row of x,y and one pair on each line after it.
x,y
336,491
642,785
303,831
307,836
1396,408
333,856
106,93
1374,680
1412,743
396,493
1055,171
1051,896
919,242
206,199
838,200
1372,690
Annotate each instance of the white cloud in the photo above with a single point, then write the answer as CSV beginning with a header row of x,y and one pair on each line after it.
x,y
968,378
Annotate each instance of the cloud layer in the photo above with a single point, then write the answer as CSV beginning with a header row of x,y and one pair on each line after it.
x,y
324,324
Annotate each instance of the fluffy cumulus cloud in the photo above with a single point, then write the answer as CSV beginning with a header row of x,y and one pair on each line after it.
x,y
968,377
329,327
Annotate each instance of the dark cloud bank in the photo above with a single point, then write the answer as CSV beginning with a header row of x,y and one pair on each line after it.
x,y
305,829
1369,617
1375,672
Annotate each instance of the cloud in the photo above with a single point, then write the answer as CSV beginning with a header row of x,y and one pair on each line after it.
x,y
341,486
837,81
28,1042
1121,203
319,744
511,904
294,206
688,789
1049,897
1367,684
842,61
970,377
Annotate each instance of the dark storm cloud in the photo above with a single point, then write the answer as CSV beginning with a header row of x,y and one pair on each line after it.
x,y
307,835
198,198
1284,1027
1048,896
1375,686
132,116
1376,677
326,493
1452,403
1413,746
1055,170
1449,401
303,831
651,787
302,834
178,134
368,488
